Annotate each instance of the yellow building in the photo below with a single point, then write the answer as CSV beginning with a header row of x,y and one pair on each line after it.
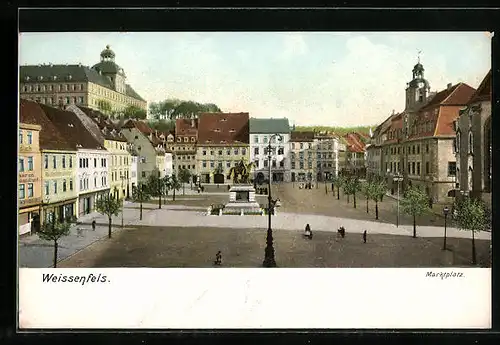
x,y
223,140
82,85
119,169
30,175
58,164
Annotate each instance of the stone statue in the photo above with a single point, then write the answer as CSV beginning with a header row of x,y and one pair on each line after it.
x,y
240,173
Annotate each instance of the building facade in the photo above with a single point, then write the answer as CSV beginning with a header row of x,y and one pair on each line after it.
x,y
261,131
58,155
223,141
30,176
302,156
140,135
184,148
327,156
473,145
63,85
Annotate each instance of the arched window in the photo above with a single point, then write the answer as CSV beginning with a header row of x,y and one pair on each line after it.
x,y
471,143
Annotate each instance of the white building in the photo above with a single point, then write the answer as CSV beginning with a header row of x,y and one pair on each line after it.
x,y
133,173
261,131
91,177
169,168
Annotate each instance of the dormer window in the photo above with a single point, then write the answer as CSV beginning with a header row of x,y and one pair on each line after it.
x,y
186,139
193,139
179,139
223,142
54,77
231,130
27,78
223,120
70,125
40,77
217,130
70,77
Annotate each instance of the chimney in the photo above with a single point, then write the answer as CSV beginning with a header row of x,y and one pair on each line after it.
x,y
393,111
448,86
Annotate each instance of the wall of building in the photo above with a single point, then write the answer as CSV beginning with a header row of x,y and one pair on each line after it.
x,y
59,178
118,166
261,141
208,157
147,153
304,152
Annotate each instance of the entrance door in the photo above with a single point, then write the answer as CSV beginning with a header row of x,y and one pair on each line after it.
x,y
207,178
293,177
219,178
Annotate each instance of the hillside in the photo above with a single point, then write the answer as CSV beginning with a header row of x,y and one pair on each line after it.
x,y
337,130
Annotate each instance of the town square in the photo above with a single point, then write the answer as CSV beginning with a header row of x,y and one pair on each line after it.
x,y
116,170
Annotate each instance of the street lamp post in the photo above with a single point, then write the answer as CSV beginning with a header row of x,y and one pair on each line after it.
x,y
398,179
269,260
445,213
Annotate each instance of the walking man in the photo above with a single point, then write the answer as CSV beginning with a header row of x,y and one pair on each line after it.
x,y
364,236
93,224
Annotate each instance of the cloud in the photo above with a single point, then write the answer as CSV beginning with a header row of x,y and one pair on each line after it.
x,y
294,45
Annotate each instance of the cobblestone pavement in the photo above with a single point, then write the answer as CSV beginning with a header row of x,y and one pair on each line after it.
x,y
153,246
36,253
189,212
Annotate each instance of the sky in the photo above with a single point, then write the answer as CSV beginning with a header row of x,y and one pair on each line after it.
x,y
312,78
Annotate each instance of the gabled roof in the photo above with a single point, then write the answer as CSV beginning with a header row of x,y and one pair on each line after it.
x,y
223,128
108,129
50,137
186,127
269,126
140,125
299,136
457,94
437,118
483,92
70,126
354,144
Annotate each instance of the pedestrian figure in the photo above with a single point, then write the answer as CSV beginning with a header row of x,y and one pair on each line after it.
x,y
341,231
364,236
218,258
308,233
93,225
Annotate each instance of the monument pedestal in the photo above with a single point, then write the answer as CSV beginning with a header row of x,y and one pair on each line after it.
x,y
242,201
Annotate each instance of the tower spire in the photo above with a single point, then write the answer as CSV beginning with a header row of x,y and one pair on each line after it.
x,y
418,55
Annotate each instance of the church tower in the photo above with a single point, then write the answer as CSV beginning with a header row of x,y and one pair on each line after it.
x,y
417,90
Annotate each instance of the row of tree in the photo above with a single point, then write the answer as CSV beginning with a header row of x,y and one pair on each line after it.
x,y
130,112
171,109
471,214
110,205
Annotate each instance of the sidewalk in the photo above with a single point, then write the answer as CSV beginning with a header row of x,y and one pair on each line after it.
x,y
36,253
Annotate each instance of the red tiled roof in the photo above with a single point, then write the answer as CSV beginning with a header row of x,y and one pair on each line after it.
x,y
483,92
353,143
140,125
441,111
50,137
223,128
186,127
457,94
301,136
70,126
105,125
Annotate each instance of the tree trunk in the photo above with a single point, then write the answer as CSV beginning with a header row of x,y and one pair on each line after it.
x,y
367,211
414,226
174,195
183,184
140,211
55,253
348,201
159,201
474,260
376,209
109,227
354,196
338,193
